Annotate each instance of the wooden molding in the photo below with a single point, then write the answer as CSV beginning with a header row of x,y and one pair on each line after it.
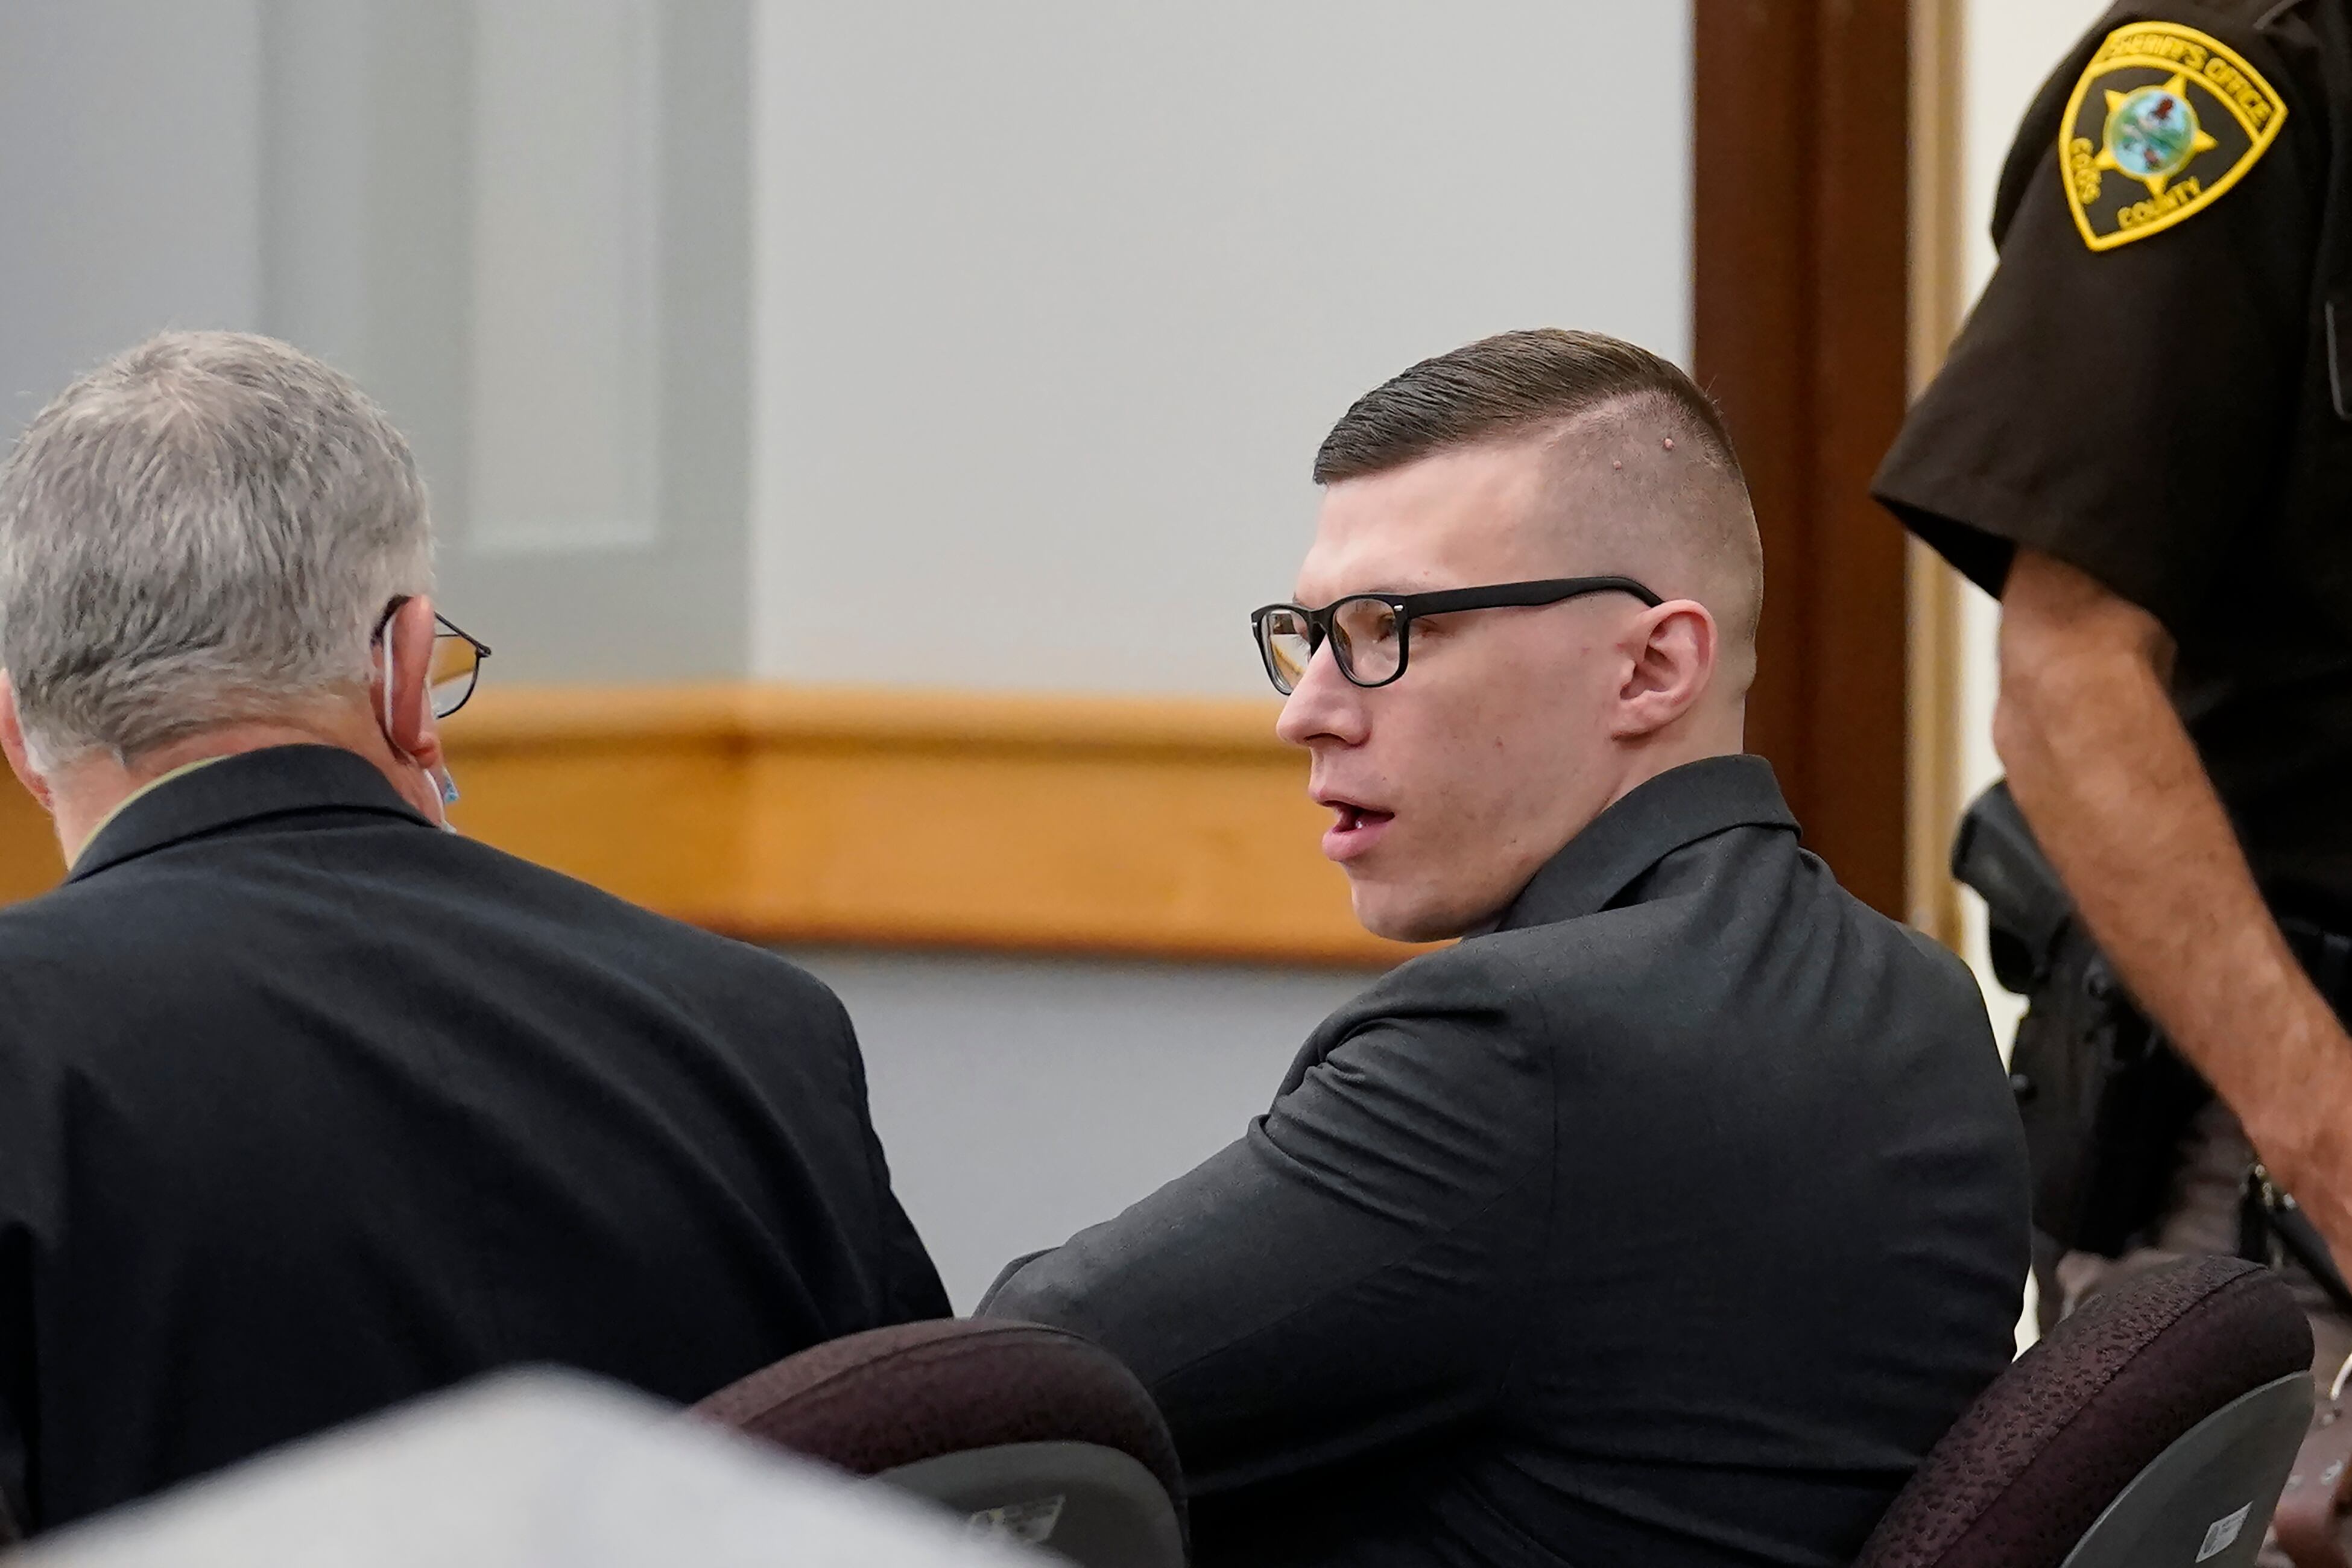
x,y
1170,827
29,861
1163,827
1939,267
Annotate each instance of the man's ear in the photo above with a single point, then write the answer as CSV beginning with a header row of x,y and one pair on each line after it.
x,y
12,742
1672,651
405,707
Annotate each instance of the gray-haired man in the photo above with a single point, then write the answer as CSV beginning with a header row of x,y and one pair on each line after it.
x,y
306,1107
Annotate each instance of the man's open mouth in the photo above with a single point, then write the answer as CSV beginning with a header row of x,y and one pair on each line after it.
x,y
1355,828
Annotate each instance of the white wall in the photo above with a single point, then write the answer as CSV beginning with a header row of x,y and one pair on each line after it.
x,y
524,227
434,196
1020,1102
129,181
1055,298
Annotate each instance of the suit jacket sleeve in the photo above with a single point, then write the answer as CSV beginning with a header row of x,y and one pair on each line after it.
x,y
912,1290
1333,1283
17,1091
910,1287
15,1391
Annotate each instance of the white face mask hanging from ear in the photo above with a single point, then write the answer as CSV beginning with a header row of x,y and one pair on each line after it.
x,y
442,783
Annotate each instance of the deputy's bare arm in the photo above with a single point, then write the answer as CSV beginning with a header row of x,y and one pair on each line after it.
x,y
2104,771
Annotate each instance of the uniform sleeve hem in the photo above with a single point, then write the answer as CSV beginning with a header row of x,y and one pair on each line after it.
x,y
1978,524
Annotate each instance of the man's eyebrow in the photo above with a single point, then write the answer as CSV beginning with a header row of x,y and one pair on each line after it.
x,y
1376,593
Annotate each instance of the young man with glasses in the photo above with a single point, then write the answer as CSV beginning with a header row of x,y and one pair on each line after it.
x,y
1674,1212
306,1107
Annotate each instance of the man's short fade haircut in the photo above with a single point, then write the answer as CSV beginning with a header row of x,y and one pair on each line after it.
x,y
1511,384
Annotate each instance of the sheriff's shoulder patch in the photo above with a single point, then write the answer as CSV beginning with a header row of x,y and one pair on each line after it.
x,y
2164,121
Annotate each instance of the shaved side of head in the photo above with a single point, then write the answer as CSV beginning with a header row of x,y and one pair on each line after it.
x,y
1648,485
1645,490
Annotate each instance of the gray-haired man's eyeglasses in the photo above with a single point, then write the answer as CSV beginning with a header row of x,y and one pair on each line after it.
x,y
457,657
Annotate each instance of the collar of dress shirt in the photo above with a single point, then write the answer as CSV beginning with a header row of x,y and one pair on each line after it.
x,y
233,790
1656,817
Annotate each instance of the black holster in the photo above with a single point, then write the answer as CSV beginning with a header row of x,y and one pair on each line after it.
x,y
2105,1100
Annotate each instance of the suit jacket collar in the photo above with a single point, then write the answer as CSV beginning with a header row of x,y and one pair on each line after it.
x,y
247,787
1658,816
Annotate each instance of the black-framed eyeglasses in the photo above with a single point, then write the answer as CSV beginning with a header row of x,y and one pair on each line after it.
x,y
458,655
1370,634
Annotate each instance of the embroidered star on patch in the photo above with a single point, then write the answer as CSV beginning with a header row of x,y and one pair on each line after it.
x,y
2163,122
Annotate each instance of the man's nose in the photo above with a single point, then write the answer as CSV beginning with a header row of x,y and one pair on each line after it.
x,y
1324,704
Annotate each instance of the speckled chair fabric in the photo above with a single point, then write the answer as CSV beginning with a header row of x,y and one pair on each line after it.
x,y
2203,1366
1034,1433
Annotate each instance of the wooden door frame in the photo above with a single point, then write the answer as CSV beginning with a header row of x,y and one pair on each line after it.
x,y
1941,226
1802,323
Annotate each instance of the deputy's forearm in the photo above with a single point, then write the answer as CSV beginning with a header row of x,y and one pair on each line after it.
x,y
2104,770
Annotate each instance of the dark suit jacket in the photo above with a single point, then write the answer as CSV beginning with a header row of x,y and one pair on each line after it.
x,y
1668,1224
306,1107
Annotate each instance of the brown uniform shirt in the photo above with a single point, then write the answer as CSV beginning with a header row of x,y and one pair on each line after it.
x,y
2156,387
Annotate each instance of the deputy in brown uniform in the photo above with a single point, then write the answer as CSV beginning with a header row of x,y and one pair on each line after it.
x,y
2142,444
